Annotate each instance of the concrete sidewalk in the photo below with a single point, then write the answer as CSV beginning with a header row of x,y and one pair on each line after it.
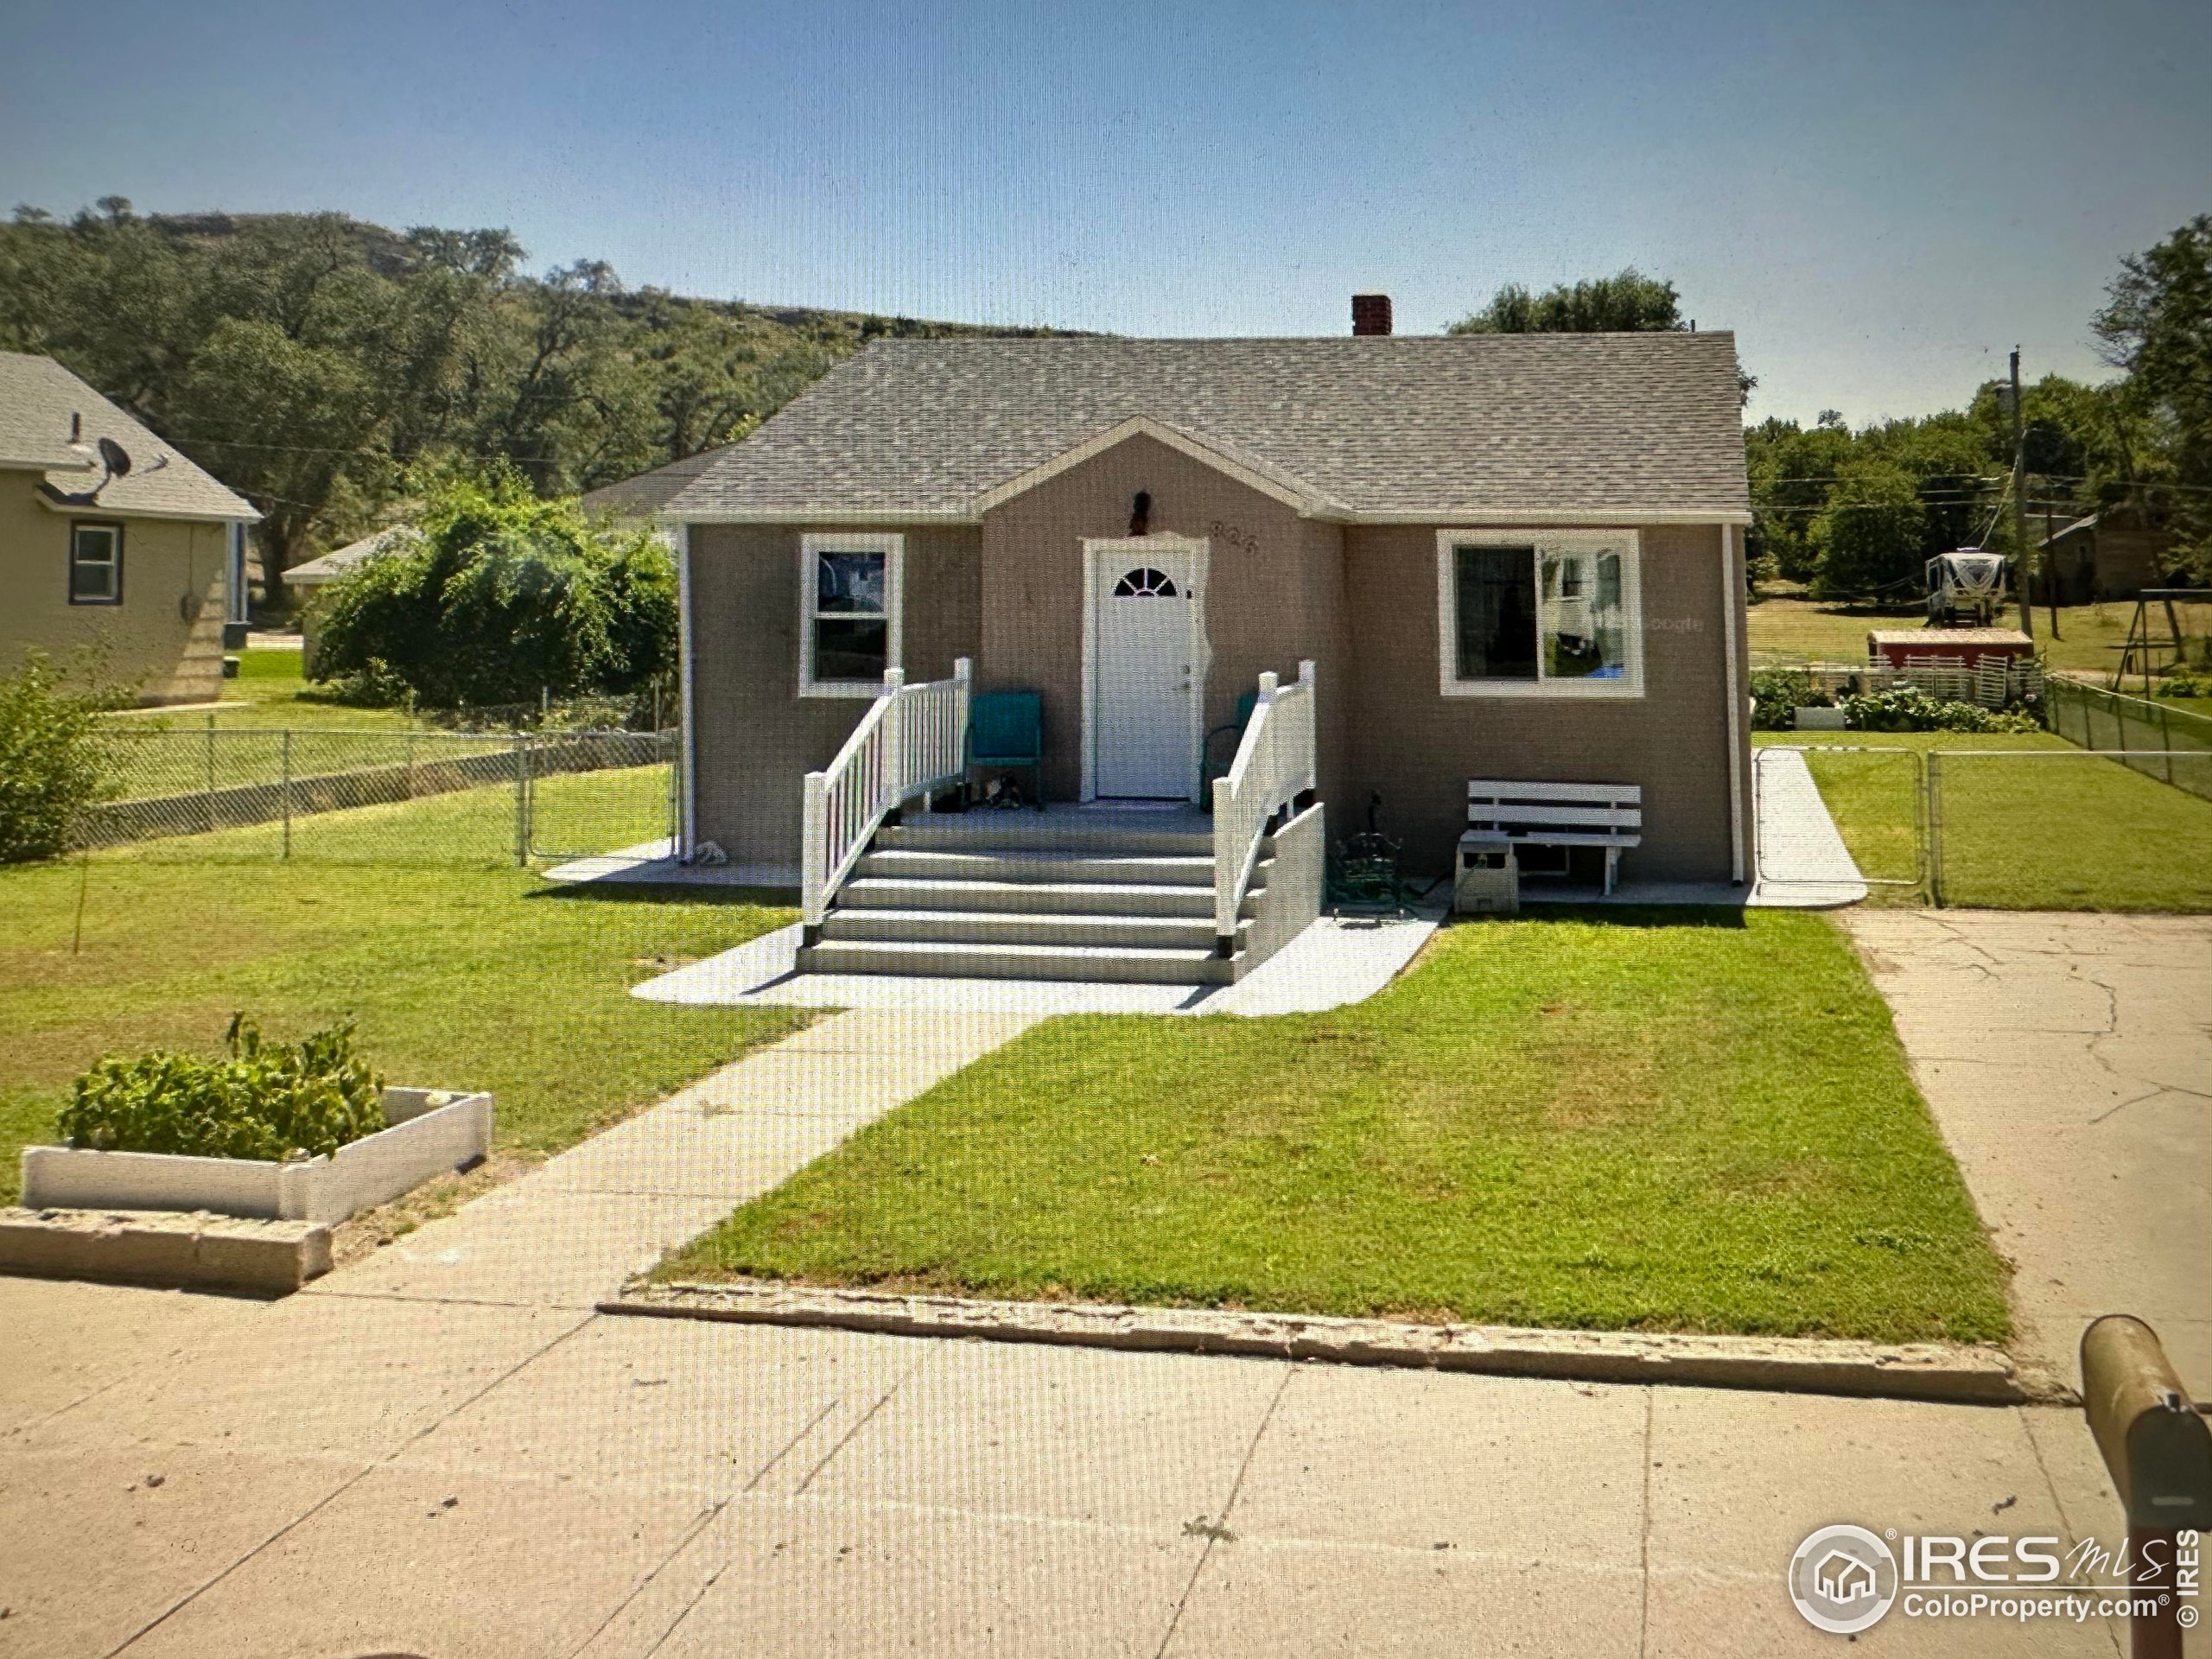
x,y
573,1229
1803,863
354,1474
2067,1059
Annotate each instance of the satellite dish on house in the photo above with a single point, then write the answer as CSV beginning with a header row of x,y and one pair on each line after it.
x,y
115,458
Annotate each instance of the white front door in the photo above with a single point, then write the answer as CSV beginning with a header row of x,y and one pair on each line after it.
x,y
1146,676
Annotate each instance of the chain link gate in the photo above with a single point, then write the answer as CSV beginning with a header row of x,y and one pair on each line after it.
x,y
584,793
1879,797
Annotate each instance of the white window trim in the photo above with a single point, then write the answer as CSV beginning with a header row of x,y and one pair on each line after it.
x,y
112,563
1628,543
893,549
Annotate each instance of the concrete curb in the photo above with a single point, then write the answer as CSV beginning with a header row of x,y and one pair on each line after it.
x,y
163,1248
1935,1372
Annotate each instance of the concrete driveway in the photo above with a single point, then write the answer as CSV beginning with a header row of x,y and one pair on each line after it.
x,y
2069,1062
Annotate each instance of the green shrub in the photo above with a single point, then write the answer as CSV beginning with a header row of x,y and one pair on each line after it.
x,y
53,759
2185,682
502,598
1778,692
262,1100
1908,709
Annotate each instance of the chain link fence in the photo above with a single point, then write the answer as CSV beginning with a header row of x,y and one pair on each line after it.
x,y
2035,828
2050,829
377,797
2149,734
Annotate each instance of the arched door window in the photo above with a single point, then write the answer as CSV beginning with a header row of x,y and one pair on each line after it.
x,y
1145,582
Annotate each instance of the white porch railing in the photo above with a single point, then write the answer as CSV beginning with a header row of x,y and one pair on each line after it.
x,y
1273,766
913,739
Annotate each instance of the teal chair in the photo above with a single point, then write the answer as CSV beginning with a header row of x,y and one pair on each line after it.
x,y
1216,759
1007,729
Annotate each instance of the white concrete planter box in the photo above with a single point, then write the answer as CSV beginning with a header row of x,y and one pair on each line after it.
x,y
1821,720
431,1131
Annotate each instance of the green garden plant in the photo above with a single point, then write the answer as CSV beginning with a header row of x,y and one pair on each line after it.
x,y
1778,692
261,1100
1908,709
2185,682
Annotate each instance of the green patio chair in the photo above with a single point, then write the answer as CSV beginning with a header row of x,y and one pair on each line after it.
x,y
1007,729
1215,760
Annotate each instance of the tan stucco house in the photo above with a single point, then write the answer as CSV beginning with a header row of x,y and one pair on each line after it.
x,y
1502,557
109,538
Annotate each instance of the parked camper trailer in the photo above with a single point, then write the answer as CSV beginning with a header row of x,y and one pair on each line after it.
x,y
1966,588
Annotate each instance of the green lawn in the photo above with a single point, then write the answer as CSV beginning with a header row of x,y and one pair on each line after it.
x,y
270,693
460,973
2072,833
1645,1121
1792,629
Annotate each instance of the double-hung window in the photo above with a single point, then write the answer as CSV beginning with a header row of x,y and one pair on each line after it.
x,y
95,563
1531,613
851,589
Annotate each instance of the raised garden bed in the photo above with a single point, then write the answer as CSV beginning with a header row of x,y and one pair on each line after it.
x,y
429,1132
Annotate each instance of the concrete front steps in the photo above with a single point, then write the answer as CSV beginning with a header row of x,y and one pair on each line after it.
x,y
1050,896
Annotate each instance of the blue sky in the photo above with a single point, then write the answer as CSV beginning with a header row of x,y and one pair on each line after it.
x,y
1880,198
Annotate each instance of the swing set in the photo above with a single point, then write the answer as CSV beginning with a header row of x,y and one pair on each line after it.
x,y
2147,650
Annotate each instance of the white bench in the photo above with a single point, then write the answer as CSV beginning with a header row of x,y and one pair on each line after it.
x,y
1610,816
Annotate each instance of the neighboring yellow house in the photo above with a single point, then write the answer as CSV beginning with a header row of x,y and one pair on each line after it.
x,y
110,538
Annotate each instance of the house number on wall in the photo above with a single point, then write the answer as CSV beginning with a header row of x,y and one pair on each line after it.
x,y
1235,535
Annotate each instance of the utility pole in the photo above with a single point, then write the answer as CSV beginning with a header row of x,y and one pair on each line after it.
x,y
2019,511
2049,576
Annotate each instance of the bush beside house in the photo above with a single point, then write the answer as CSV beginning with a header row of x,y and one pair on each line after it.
x,y
1778,692
51,760
504,598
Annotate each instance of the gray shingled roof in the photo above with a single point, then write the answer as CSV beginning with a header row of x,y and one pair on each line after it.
x,y
37,398
1438,426
640,498
341,561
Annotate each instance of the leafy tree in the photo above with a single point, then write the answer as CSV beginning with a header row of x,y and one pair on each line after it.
x,y
2158,329
1791,471
501,595
1870,533
1628,302
313,361
1950,465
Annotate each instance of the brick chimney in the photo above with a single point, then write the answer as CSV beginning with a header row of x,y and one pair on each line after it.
x,y
1370,313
